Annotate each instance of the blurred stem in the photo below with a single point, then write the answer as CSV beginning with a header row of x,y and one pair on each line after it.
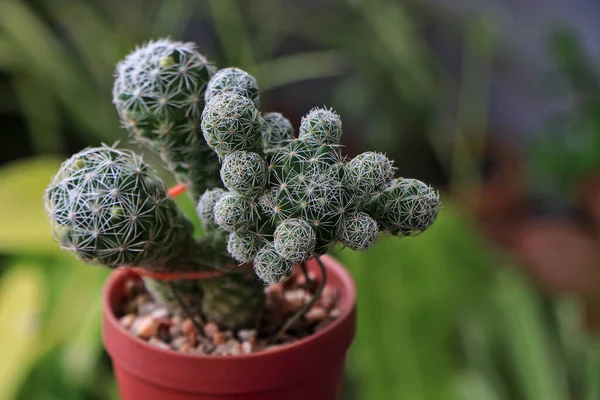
x,y
169,19
42,119
593,370
471,126
305,273
298,67
230,27
307,306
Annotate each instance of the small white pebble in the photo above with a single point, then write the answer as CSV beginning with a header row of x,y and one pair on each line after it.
x,y
160,313
246,348
247,335
335,313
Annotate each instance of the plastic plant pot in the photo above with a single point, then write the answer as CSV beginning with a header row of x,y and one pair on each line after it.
x,y
311,368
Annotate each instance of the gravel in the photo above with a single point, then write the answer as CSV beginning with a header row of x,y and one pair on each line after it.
x,y
150,321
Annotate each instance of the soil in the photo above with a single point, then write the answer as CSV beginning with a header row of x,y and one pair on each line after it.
x,y
152,322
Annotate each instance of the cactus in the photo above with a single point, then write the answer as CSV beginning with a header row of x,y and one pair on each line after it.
x,y
231,122
277,131
312,198
107,206
233,80
263,196
159,95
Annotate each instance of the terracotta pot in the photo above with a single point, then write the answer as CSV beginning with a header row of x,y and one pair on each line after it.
x,y
311,368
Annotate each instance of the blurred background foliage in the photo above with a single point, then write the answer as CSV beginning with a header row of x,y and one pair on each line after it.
x,y
480,307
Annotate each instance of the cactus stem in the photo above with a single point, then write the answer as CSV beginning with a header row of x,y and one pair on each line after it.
x,y
307,306
305,273
186,310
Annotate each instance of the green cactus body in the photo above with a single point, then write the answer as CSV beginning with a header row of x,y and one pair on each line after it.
x,y
231,122
277,131
233,80
407,207
312,199
159,94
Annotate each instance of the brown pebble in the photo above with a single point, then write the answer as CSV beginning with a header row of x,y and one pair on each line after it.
x,y
218,338
145,327
191,337
316,314
293,300
186,348
234,348
274,289
130,288
158,343
188,327
300,280
329,297
127,320
211,329
246,348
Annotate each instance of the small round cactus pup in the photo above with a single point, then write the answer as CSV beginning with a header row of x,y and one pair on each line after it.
x,y
359,231
277,131
270,267
108,207
233,212
321,126
231,122
206,205
407,207
243,246
294,240
369,172
244,172
233,80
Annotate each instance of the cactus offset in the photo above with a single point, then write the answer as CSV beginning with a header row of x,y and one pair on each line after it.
x,y
313,197
159,94
233,80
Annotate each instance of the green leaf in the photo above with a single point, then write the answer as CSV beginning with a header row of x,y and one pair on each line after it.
x,y
25,227
530,351
21,302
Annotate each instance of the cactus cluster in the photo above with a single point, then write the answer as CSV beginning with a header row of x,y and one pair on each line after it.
x,y
289,198
279,199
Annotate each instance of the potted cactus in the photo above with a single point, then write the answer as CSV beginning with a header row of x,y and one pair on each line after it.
x,y
226,315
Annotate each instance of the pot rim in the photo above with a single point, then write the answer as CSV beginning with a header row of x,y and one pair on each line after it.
x,y
347,307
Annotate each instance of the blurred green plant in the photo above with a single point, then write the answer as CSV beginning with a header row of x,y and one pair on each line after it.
x,y
568,148
454,319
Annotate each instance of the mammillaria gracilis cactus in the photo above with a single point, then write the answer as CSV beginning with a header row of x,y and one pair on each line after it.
x,y
285,205
263,196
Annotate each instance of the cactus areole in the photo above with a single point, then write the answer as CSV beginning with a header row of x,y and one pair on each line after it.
x,y
264,195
